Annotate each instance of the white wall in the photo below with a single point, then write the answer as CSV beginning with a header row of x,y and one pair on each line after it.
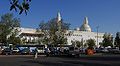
x,y
79,35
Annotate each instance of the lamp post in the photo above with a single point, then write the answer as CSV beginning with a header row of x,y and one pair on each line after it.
x,y
82,44
97,35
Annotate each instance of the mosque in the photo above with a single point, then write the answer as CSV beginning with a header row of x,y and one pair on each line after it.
x,y
83,33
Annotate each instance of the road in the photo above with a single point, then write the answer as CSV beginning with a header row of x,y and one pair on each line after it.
x,y
19,60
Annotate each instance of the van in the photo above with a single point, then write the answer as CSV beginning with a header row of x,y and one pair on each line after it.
x,y
74,51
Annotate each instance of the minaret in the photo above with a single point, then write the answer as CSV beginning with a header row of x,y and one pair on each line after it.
x,y
59,23
86,20
58,17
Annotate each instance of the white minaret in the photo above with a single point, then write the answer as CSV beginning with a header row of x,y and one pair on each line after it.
x,y
58,16
86,20
59,21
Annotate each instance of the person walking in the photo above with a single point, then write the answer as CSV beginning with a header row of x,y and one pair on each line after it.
x,y
36,53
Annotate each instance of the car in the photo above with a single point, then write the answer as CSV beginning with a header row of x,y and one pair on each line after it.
x,y
114,50
82,50
15,50
25,51
40,50
101,50
53,51
7,51
47,51
74,51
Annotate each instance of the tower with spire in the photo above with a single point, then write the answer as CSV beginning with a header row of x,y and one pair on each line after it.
x,y
59,21
58,17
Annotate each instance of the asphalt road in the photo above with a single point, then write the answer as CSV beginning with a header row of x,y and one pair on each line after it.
x,y
13,60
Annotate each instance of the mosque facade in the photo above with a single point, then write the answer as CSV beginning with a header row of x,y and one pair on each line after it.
x,y
82,33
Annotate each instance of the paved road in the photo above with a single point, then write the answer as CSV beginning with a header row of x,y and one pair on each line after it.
x,y
60,61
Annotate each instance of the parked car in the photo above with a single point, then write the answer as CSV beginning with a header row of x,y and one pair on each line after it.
x,y
82,50
114,50
15,51
7,51
74,51
47,51
102,50
25,51
54,51
40,50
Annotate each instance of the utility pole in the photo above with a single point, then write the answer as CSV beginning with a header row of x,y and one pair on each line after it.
x,y
97,35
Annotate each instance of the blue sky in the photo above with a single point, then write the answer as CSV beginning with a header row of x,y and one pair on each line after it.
x,y
102,13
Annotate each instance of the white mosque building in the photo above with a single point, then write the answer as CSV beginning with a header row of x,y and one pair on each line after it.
x,y
82,33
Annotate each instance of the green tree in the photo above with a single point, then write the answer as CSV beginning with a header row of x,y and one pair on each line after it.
x,y
117,40
90,43
13,38
54,32
7,25
108,40
24,40
77,43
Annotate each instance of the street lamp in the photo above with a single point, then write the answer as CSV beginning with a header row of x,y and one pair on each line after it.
x,y
97,35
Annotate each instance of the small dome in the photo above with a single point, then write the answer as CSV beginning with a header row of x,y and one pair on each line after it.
x,y
78,29
85,26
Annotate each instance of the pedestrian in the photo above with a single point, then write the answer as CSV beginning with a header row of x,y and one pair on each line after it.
x,y
36,54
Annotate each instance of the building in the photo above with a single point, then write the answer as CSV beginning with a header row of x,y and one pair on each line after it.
x,y
82,33
29,35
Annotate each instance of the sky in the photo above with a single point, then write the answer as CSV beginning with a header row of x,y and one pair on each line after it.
x,y
102,13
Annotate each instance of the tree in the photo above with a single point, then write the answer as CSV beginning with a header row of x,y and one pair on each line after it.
x,y
23,6
13,38
90,43
117,40
7,25
54,32
108,40
77,43
24,40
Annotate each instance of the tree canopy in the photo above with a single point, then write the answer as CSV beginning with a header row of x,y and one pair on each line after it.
x,y
7,24
108,40
52,34
90,43
117,40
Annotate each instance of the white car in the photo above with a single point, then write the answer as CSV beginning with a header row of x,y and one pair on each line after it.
x,y
74,51
40,50
15,50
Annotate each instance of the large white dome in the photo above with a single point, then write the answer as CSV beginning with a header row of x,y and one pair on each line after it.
x,y
85,26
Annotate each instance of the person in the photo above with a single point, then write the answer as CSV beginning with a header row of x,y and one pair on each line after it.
x,y
36,53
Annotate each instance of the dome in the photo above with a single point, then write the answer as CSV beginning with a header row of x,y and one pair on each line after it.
x,y
85,26
78,29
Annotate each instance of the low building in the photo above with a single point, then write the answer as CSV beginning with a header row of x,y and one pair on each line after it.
x,y
29,35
